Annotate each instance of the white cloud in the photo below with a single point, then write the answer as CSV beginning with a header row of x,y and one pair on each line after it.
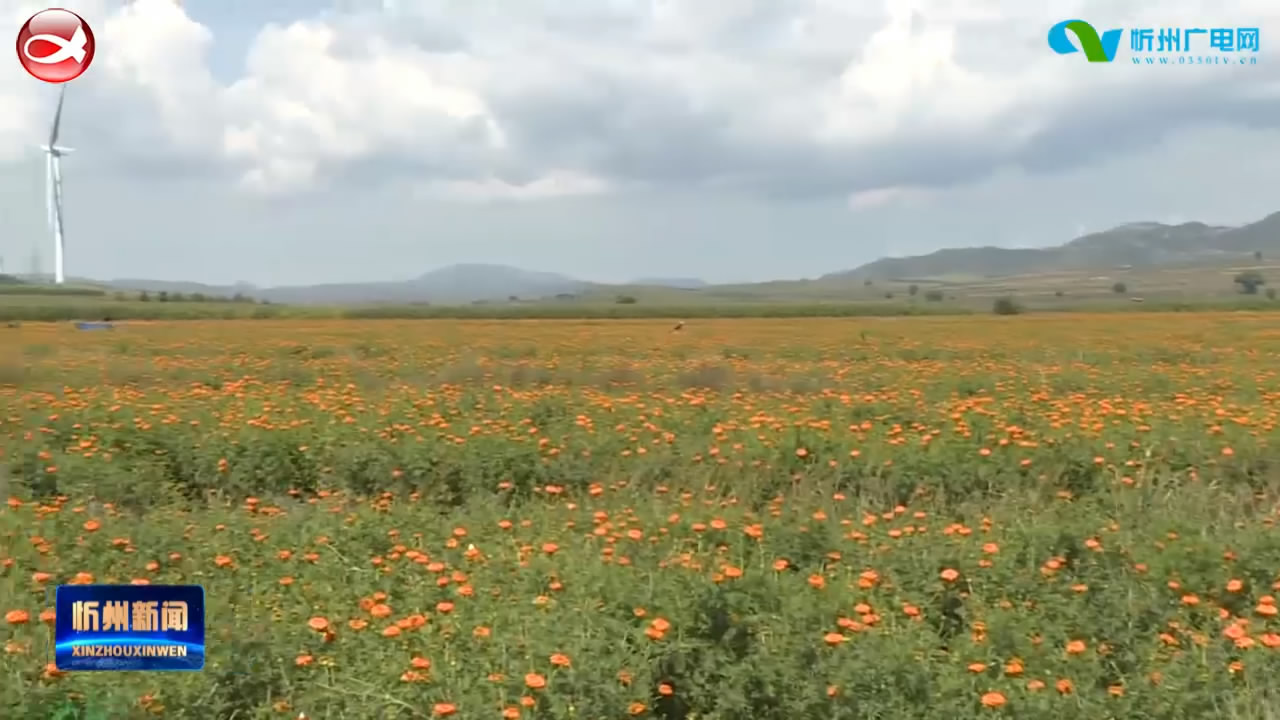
x,y
557,183
544,99
303,105
883,197
906,78
150,53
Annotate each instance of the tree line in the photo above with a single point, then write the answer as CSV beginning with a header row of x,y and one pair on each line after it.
x,y
198,297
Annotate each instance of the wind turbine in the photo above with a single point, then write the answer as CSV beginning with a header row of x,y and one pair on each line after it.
x,y
53,153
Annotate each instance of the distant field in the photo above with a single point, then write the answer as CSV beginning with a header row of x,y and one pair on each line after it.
x,y
48,291
1180,288
944,518
1170,284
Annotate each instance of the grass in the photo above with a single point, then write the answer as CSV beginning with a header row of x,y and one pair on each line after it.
x,y
46,291
32,309
1047,515
1161,289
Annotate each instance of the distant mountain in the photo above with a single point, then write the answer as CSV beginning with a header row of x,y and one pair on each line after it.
x,y
675,283
456,284
494,282
1136,244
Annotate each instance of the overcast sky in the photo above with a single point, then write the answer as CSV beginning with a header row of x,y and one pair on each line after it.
x,y
294,141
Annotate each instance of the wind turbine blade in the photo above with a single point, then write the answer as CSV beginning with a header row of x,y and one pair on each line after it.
x,y
57,116
57,183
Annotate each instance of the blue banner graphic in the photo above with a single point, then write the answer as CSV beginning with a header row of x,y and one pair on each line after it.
x,y
129,627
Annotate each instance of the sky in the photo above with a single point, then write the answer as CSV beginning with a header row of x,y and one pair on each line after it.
x,y
287,142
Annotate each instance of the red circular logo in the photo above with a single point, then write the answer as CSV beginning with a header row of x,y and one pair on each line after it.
x,y
55,45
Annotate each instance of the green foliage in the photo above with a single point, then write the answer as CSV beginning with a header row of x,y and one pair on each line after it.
x,y
1249,281
1006,305
145,308
800,569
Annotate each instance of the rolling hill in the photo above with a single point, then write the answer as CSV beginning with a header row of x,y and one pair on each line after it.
x,y
1134,245
455,284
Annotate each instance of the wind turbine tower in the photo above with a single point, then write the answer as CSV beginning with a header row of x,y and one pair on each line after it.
x,y
53,153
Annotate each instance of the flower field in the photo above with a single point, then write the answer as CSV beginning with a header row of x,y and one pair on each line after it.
x,y
940,517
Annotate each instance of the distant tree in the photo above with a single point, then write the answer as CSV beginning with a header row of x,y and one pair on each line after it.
x,y
1271,293
163,296
1057,293
1006,305
625,300
144,296
933,295
513,298
178,297
913,289
867,283
1119,288
198,297
1257,254
238,298
1249,281
118,295
888,296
